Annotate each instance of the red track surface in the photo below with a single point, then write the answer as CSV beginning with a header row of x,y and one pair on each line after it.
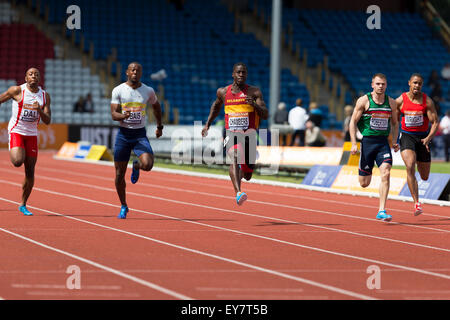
x,y
185,237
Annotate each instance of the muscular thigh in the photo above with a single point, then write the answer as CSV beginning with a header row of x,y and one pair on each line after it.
x,y
413,142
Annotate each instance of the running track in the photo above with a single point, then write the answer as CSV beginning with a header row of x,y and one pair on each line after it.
x,y
185,238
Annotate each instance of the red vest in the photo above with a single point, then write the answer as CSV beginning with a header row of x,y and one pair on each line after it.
x,y
238,114
415,117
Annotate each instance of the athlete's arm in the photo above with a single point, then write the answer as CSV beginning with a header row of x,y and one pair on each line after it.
x,y
45,112
399,102
116,112
356,115
13,92
394,123
433,118
215,110
256,101
116,108
158,116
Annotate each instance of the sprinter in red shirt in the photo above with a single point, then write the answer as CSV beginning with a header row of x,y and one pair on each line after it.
x,y
418,112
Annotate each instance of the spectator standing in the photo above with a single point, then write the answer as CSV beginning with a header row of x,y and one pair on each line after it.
x,y
444,126
297,118
315,114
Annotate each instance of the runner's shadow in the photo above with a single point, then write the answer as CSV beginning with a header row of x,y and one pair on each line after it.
x,y
78,215
272,223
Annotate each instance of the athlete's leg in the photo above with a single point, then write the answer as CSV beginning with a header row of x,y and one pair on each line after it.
x,y
235,171
122,151
121,169
28,182
146,161
409,158
144,152
424,169
385,173
364,181
247,175
17,156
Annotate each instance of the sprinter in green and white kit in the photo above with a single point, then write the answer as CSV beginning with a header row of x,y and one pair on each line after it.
x,y
375,114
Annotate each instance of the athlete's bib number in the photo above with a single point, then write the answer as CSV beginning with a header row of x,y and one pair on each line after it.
x,y
135,117
379,121
29,115
238,122
413,119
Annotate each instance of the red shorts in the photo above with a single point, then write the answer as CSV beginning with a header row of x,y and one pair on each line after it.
x,y
29,143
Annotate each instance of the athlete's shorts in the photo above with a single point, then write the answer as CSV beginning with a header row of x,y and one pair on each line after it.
x,y
29,143
412,142
373,149
131,139
245,145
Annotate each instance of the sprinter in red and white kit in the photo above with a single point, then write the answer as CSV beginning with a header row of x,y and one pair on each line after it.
x,y
30,105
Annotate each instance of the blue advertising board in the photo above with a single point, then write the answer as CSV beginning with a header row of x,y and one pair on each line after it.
x,y
431,188
321,176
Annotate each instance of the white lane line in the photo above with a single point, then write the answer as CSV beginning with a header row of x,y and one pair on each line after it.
x,y
223,210
100,266
253,235
250,266
57,286
232,198
228,197
73,293
250,289
267,182
372,261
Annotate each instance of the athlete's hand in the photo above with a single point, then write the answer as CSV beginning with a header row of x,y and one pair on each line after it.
x,y
250,100
205,131
354,149
36,105
396,147
126,114
158,133
426,143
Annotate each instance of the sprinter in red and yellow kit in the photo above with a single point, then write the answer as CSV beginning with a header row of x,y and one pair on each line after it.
x,y
244,107
418,113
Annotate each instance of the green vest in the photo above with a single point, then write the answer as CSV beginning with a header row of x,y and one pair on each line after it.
x,y
376,120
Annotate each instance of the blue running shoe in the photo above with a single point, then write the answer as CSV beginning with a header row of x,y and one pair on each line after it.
x,y
123,212
25,211
135,172
382,215
241,197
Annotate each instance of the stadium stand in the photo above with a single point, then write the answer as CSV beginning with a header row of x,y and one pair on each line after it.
x,y
355,53
196,46
22,45
67,80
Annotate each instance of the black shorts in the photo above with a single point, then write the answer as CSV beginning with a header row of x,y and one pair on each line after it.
x,y
245,145
412,142
373,149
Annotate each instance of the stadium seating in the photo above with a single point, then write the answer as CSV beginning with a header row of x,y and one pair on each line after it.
x,y
357,52
66,81
7,14
196,46
5,108
23,46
